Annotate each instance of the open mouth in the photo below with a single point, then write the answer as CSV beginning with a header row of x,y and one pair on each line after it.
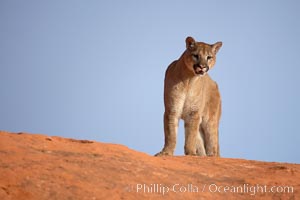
x,y
200,70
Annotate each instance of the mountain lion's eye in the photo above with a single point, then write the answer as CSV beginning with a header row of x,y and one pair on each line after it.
x,y
196,57
209,57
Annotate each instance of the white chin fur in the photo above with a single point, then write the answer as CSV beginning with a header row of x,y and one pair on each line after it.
x,y
202,74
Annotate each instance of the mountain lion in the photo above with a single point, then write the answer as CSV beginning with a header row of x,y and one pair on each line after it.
x,y
190,94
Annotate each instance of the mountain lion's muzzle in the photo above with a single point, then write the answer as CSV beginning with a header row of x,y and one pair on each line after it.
x,y
201,70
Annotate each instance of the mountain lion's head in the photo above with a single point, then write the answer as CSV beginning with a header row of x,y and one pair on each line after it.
x,y
201,56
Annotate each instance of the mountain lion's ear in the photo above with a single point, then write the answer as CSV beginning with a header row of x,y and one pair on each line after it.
x,y
216,47
190,43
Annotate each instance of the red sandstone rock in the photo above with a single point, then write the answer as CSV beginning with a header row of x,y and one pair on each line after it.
x,y
42,167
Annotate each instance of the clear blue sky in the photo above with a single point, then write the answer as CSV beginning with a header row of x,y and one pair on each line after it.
x,y
95,70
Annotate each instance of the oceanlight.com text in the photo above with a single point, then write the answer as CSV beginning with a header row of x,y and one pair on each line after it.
x,y
245,188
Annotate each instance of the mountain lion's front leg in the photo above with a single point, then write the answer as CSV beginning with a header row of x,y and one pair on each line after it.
x,y
170,129
192,134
